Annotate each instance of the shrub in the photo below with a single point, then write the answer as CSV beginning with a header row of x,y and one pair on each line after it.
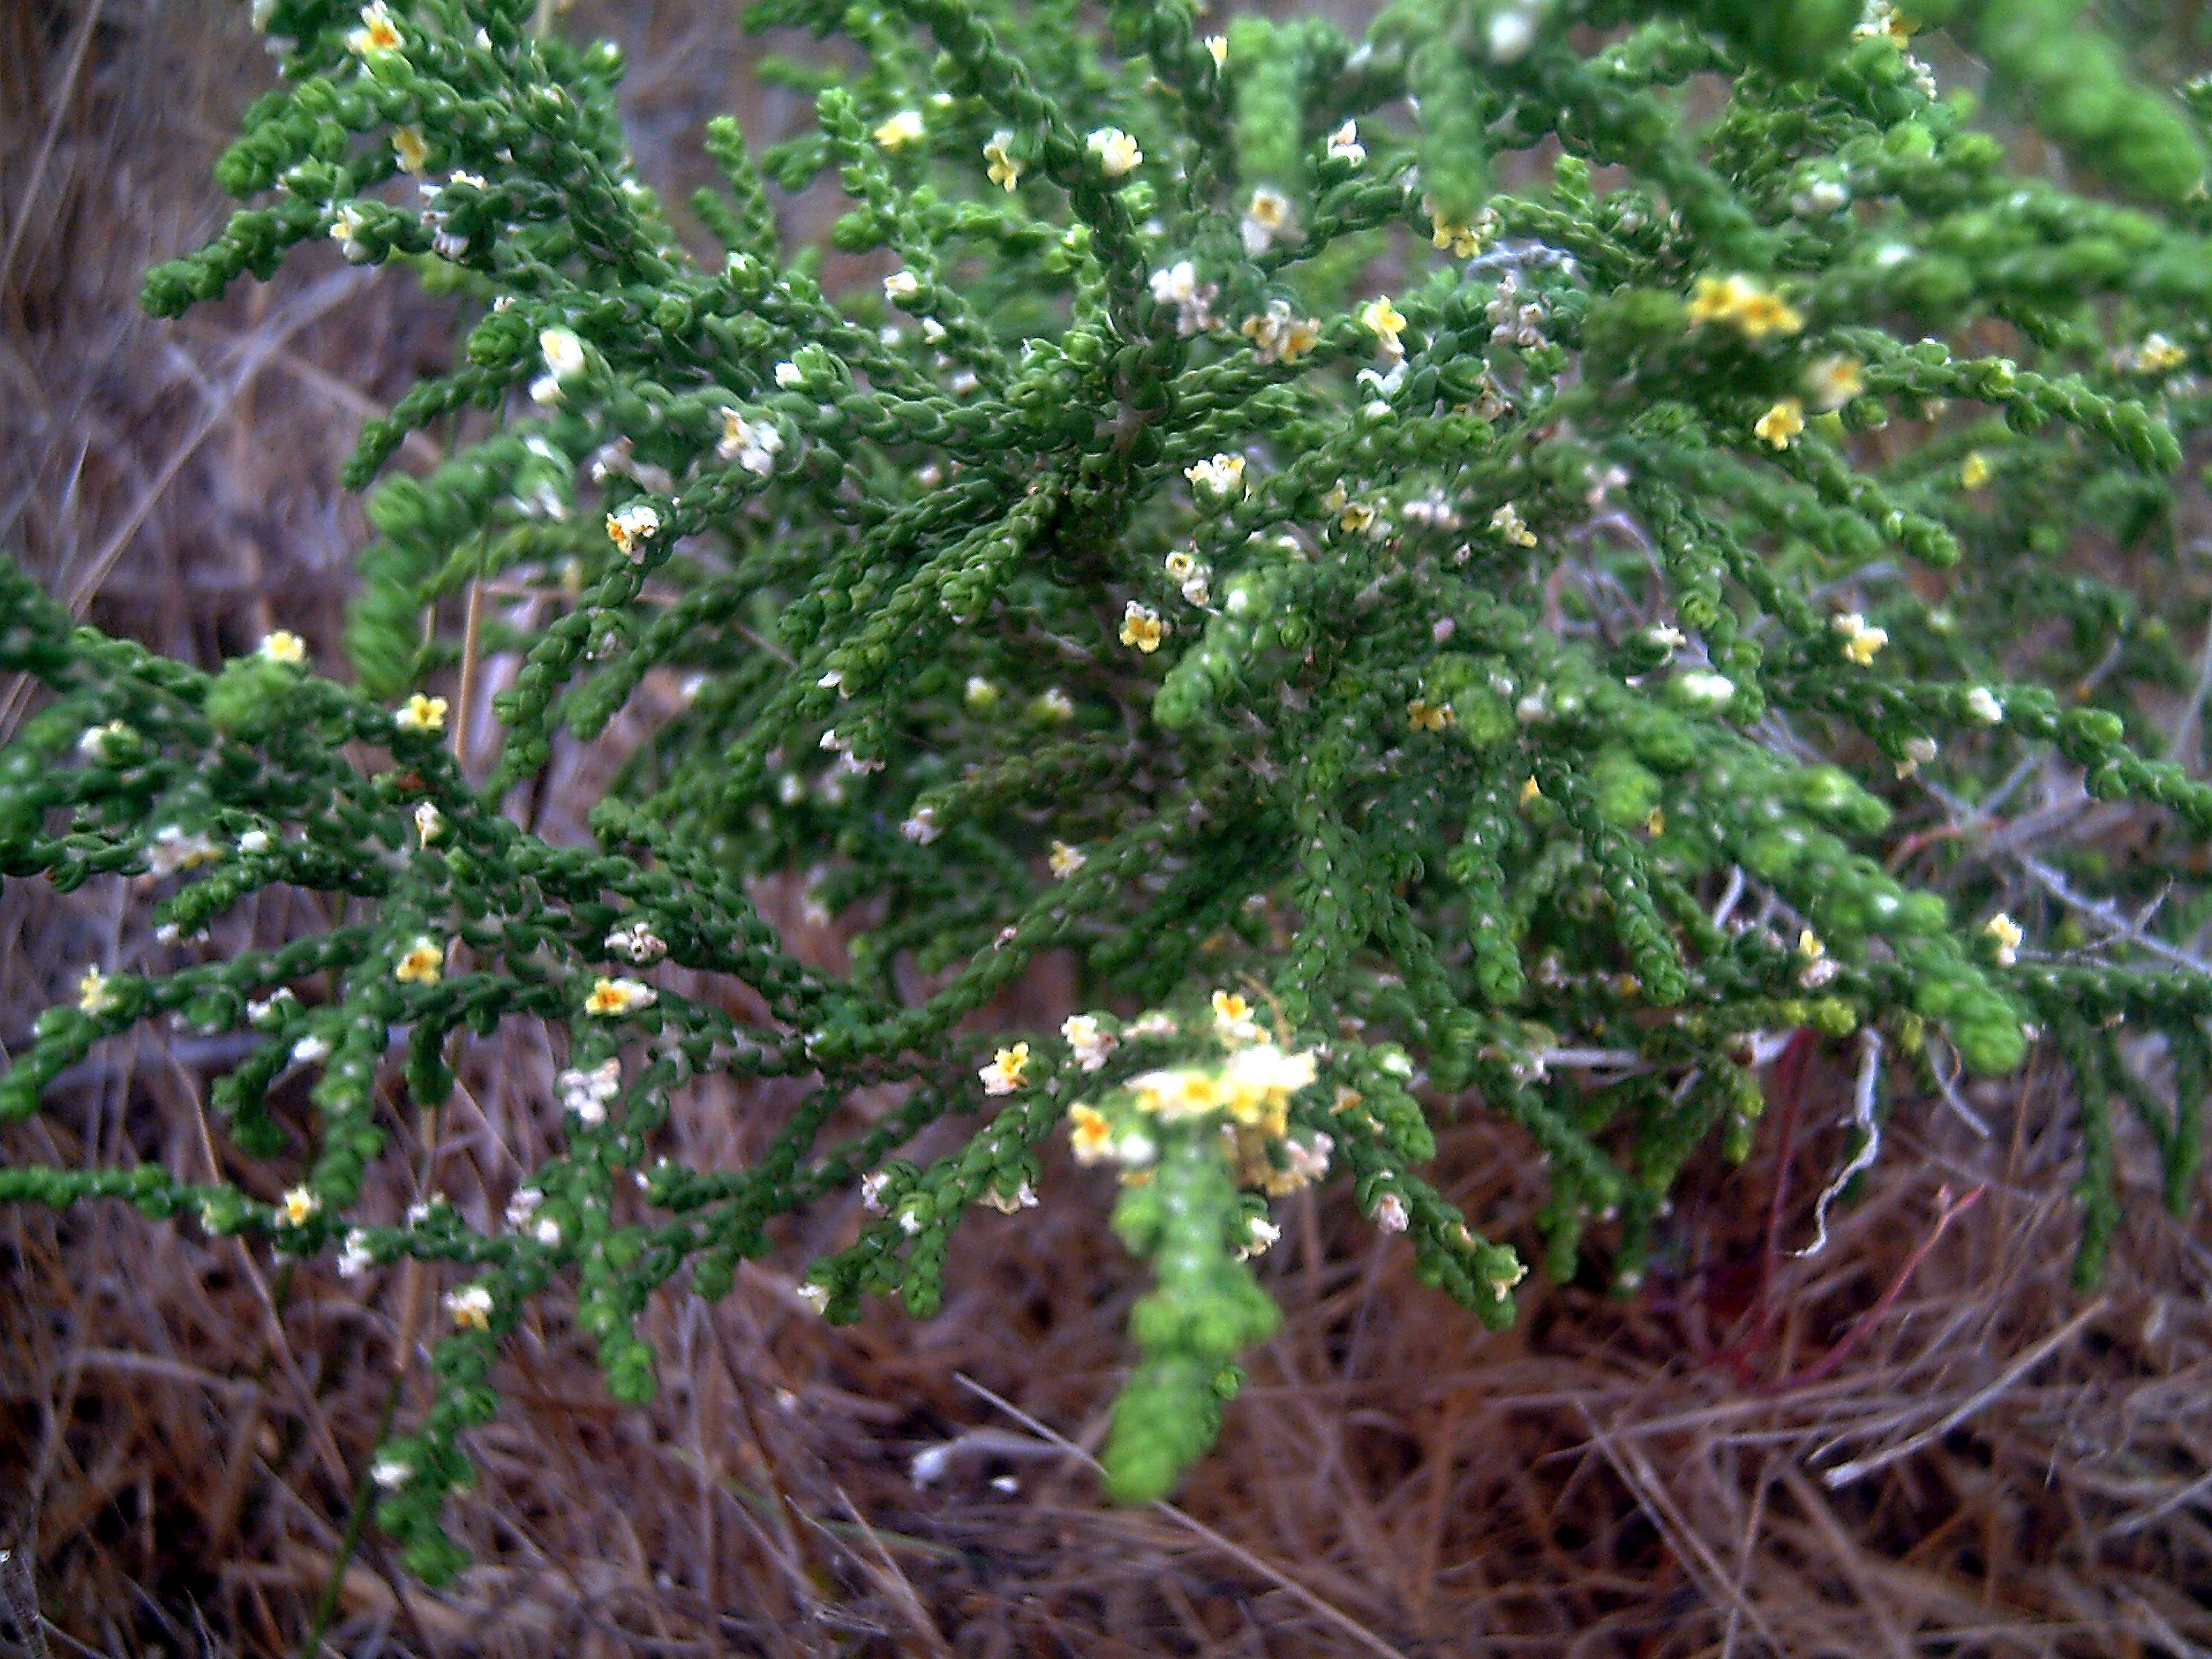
x,y
1540,688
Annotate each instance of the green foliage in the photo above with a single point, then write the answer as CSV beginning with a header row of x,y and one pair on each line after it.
x,y
1539,689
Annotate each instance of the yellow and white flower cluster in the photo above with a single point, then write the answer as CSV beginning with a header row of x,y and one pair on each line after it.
x,y
1753,311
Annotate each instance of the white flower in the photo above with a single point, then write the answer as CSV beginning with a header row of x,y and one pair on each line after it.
x,y
1055,704
1667,637
523,1206
635,941
1090,1040
102,743
1982,704
311,1050
470,1307
1265,1071
1702,686
391,1473
1259,1234
547,1231
1177,285
901,285
1344,144
264,1012
355,1260
1065,860
753,445
922,828
1116,151
564,356
1508,523
1309,1160
815,1296
871,1191
588,1093
1918,751
428,822
1390,1214
1268,220
790,375
254,842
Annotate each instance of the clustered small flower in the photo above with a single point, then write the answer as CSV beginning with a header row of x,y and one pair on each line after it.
x,y
1510,525
1141,627
1189,574
298,1207
1386,323
1177,285
753,445
1343,145
2006,935
634,941
564,357
1220,476
1462,237
1516,316
587,1094
1089,1040
1755,312
902,128
377,33
1279,337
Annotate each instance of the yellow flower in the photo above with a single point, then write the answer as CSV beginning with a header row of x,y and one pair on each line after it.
x,y
1781,424
92,996
627,526
1090,1135
1141,627
1809,945
377,33
298,1207
1530,793
1429,716
1280,337
1116,151
1065,860
285,646
1003,1075
1344,144
420,714
1004,170
901,130
414,153
1232,1019
1217,47
1861,642
1223,475
1187,1093
1754,310
423,964
1387,322
1459,235
2158,356
1834,381
1974,471
470,1307
1357,517
618,996
2007,935
1507,522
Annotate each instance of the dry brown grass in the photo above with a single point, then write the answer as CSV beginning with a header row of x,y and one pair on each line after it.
x,y
182,1426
